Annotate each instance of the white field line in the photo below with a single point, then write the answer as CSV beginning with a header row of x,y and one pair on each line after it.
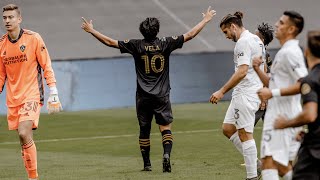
x,y
113,137
178,20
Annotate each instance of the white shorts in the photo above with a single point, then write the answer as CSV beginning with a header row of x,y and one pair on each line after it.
x,y
241,113
280,144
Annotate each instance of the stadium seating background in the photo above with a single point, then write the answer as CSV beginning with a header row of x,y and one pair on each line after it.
x,y
59,21
92,76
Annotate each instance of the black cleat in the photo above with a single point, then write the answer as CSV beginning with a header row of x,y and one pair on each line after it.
x,y
254,178
147,168
166,163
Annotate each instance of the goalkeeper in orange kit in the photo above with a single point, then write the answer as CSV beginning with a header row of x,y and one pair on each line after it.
x,y
23,56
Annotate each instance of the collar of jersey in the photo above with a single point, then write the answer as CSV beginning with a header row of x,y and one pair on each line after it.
x,y
244,33
16,40
291,42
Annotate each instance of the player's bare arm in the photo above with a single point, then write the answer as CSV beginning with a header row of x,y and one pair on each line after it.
x,y
196,29
233,81
266,93
88,27
308,115
256,62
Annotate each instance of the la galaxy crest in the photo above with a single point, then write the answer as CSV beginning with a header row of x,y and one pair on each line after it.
x,y
22,48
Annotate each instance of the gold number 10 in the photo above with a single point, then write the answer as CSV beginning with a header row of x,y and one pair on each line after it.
x,y
153,63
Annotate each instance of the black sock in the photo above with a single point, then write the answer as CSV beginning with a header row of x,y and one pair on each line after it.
x,y
145,151
167,141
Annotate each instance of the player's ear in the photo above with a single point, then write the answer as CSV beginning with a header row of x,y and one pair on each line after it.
x,y
233,26
20,19
292,29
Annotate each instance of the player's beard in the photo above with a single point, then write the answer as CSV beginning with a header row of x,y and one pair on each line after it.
x,y
234,36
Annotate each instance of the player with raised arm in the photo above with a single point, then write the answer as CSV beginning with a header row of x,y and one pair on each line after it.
x,y
23,56
278,147
151,57
238,124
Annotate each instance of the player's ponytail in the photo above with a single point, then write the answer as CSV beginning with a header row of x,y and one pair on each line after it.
x,y
238,14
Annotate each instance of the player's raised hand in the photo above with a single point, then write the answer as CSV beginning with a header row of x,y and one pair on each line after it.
x,y
264,94
281,122
256,62
215,97
209,14
87,26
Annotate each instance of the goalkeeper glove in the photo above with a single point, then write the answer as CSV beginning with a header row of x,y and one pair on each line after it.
x,y
53,103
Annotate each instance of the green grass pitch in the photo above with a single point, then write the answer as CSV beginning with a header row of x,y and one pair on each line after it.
x,y
103,145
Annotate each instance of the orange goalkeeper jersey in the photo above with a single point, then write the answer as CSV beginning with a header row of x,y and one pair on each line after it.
x,y
21,64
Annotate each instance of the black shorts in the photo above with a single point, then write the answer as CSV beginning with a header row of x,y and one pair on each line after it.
x,y
307,166
160,107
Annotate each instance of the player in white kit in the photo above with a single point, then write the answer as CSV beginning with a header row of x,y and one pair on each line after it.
x,y
279,147
239,121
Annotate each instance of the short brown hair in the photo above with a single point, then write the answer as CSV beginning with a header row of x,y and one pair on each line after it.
x,y
314,43
11,7
296,19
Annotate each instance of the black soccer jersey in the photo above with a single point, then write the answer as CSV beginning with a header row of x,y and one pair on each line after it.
x,y
152,62
268,61
310,90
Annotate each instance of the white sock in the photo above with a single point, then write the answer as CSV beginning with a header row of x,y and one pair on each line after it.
x,y
270,174
288,175
236,141
250,157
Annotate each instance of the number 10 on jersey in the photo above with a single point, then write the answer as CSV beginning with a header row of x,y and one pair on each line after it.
x,y
153,60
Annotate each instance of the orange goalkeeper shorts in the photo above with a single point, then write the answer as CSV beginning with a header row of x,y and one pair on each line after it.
x,y
25,112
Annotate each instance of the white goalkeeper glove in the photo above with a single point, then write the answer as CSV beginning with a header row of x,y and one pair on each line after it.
x,y
53,103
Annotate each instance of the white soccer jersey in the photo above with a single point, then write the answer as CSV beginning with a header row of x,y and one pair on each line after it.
x,y
247,47
287,68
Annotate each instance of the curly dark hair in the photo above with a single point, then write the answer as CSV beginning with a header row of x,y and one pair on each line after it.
x,y
149,28
266,32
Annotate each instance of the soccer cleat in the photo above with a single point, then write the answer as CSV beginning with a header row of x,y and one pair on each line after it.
x,y
259,164
147,168
146,164
166,163
254,178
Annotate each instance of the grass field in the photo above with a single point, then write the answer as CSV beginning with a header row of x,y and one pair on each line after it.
x,y
103,145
